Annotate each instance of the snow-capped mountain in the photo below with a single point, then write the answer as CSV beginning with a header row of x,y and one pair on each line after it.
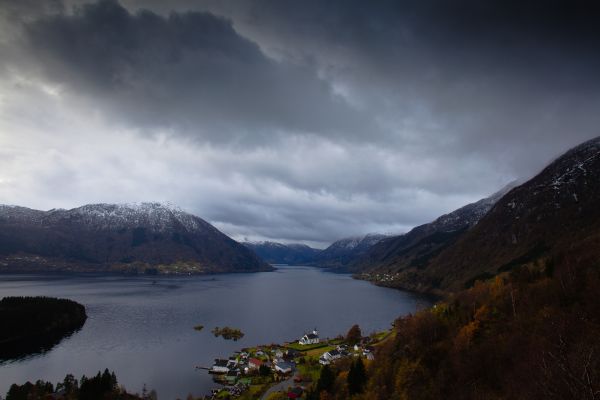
x,y
279,253
156,216
122,237
340,253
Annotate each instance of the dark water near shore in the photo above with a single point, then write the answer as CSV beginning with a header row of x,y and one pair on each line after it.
x,y
144,331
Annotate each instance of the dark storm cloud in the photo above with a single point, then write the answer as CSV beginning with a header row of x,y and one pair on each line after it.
x,y
298,120
484,72
189,71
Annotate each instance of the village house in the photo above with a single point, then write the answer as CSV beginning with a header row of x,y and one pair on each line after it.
x,y
254,363
284,367
309,338
332,355
220,366
329,356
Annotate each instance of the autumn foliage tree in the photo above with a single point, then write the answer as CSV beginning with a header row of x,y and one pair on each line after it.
x,y
354,335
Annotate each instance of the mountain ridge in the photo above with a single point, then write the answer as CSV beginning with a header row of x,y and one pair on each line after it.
x,y
135,237
537,223
441,232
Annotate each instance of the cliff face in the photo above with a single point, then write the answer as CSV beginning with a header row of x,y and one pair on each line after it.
x,y
148,237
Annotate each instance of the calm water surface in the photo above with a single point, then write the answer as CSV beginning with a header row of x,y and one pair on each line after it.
x,y
144,331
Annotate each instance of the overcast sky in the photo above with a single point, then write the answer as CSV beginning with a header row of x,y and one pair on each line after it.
x,y
296,121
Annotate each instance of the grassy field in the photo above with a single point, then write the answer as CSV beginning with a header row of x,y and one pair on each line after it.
x,y
300,347
311,370
316,352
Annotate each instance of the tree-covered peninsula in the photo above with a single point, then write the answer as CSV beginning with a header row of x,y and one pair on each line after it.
x,y
35,324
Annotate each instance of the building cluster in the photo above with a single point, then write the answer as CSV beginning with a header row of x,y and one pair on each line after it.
x,y
238,371
341,351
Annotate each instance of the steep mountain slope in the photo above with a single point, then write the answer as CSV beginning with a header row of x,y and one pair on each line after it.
x,y
420,244
555,213
279,253
342,252
148,237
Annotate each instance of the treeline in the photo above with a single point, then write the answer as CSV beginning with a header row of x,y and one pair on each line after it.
x,y
531,333
103,386
34,324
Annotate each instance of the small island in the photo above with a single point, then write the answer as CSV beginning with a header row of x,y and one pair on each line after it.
x,y
228,333
34,324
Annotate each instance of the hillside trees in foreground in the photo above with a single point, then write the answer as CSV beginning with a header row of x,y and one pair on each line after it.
x,y
531,333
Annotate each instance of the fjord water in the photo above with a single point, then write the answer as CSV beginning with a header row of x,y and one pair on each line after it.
x,y
142,327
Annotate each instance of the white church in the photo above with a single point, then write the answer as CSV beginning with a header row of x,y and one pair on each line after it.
x,y
310,338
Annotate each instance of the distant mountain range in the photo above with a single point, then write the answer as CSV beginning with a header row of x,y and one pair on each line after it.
x,y
383,252
337,255
133,238
344,251
555,213
279,253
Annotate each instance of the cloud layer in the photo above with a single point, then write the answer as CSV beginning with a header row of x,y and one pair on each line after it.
x,y
295,121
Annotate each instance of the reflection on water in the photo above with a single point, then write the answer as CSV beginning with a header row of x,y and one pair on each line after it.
x,y
142,327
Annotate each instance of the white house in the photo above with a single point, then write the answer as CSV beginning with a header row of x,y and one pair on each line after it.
x,y
220,367
284,367
309,338
232,363
331,355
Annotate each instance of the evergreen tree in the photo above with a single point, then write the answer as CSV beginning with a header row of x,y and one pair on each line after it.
x,y
312,395
357,377
263,370
326,379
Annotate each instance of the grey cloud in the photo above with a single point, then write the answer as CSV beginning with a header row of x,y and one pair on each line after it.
x,y
190,72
